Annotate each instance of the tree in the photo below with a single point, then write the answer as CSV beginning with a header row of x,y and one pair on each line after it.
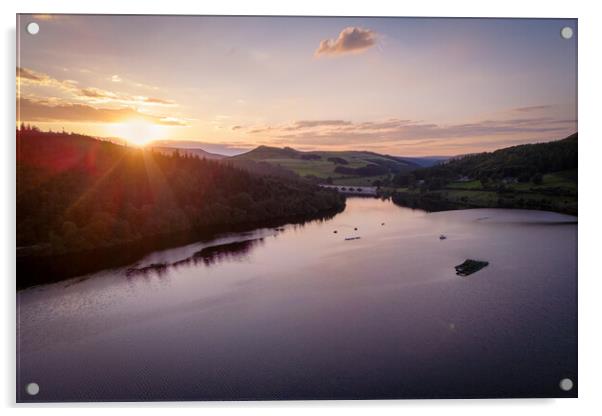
x,y
76,193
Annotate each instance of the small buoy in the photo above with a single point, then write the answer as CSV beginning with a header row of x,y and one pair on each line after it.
x,y
355,228
335,231
382,223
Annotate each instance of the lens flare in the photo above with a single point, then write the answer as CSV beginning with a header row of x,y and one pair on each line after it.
x,y
137,132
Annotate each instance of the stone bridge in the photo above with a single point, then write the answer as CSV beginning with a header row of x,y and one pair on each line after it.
x,y
353,190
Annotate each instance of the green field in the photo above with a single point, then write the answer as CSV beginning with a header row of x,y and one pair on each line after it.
x,y
319,168
556,192
563,182
316,164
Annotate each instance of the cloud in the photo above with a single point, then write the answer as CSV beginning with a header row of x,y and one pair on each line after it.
x,y
161,101
28,77
96,93
299,125
116,78
400,133
265,129
319,123
532,108
23,73
42,110
350,40
168,121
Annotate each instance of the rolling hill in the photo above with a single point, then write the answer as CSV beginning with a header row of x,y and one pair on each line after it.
x,y
339,167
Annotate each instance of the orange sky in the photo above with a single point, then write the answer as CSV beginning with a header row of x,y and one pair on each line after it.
x,y
400,86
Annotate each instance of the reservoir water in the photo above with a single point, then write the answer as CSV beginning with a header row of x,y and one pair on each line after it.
x,y
300,312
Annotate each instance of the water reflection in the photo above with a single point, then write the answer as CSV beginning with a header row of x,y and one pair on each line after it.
x,y
48,269
208,256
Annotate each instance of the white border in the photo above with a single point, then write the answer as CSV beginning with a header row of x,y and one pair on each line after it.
x,y
590,154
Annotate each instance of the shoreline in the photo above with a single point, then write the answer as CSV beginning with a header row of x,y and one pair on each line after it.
x,y
437,201
34,270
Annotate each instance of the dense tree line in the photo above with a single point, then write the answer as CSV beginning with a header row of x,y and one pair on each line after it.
x,y
261,168
311,156
523,163
368,170
77,193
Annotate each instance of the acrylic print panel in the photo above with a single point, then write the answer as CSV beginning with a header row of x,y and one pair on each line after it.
x,y
262,208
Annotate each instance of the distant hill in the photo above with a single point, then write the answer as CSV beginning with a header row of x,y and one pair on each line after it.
x,y
255,166
269,152
222,149
189,151
359,167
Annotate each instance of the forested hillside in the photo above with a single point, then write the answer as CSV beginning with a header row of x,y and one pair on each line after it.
x,y
533,176
78,193
523,162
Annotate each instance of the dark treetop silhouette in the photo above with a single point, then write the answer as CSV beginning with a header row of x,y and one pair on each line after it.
x,y
78,193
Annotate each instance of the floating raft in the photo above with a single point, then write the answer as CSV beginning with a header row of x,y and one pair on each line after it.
x,y
470,266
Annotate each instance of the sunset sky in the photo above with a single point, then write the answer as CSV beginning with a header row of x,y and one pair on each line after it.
x,y
401,86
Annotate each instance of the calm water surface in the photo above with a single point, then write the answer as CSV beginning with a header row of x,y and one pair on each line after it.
x,y
301,313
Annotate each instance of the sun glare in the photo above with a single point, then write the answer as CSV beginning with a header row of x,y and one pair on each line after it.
x,y
137,132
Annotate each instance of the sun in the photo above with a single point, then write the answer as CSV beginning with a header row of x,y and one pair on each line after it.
x,y
137,132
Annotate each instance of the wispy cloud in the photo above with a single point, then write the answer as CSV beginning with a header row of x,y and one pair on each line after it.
x,y
317,123
55,110
23,73
29,77
350,40
26,76
401,133
531,109
97,93
74,103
